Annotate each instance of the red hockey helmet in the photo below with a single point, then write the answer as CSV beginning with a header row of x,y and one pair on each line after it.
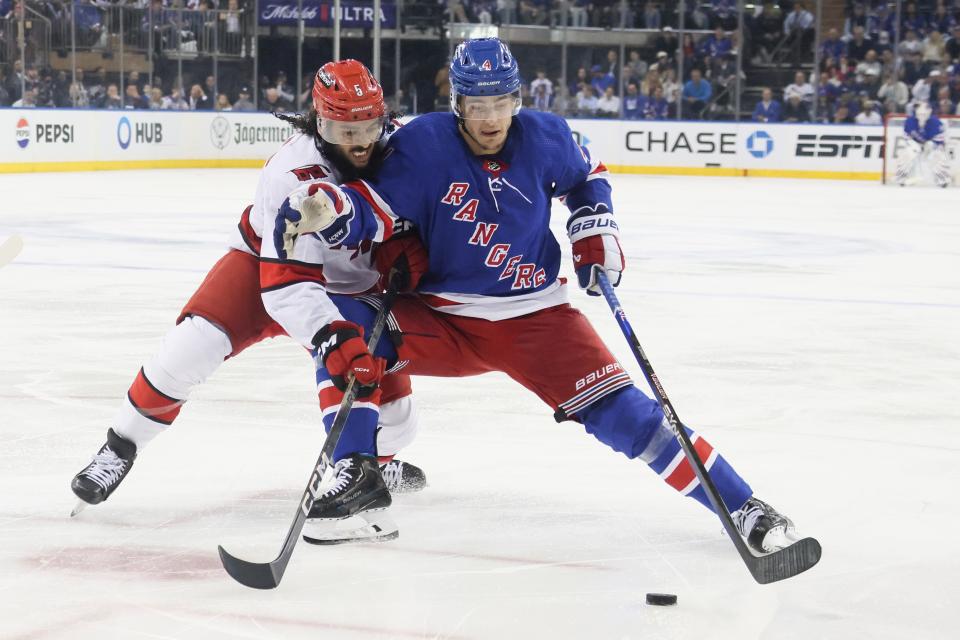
x,y
349,104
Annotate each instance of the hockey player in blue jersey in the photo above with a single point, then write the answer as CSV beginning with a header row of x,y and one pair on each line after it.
x,y
924,148
478,184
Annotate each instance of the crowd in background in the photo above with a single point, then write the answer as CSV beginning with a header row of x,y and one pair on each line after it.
x,y
861,76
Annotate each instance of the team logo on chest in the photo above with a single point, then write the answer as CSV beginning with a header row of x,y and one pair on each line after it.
x,y
525,275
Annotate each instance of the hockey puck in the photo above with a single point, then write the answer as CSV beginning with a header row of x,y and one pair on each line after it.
x,y
661,599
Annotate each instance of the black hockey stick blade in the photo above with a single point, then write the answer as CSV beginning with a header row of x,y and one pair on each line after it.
x,y
256,575
785,563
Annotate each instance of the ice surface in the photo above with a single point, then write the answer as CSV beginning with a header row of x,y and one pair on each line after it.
x,y
811,330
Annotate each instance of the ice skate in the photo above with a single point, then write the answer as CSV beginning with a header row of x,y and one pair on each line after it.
x,y
764,529
104,474
403,477
354,506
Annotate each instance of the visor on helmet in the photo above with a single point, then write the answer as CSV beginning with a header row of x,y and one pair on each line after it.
x,y
487,107
360,133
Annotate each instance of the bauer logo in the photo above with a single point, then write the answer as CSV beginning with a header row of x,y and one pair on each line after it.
x,y
23,133
760,144
220,132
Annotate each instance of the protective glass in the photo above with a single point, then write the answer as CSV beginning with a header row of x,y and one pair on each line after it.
x,y
488,107
359,134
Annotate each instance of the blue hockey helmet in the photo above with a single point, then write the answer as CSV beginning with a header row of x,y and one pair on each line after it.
x,y
484,67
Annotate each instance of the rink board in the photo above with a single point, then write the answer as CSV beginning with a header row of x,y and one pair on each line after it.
x,y
66,140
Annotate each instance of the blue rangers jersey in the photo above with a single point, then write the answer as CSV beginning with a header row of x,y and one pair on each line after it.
x,y
932,130
485,219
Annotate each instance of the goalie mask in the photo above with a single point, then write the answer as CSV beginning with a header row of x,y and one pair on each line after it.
x,y
922,112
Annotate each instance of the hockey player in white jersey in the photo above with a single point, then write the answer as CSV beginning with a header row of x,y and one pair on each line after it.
x,y
337,140
924,150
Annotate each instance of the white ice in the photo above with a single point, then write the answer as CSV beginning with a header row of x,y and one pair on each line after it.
x,y
808,329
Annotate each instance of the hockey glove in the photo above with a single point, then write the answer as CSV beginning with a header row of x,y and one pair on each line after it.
x,y
593,253
342,350
319,207
405,253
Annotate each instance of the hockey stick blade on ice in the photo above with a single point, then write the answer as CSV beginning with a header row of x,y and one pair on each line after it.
x,y
770,567
10,249
267,575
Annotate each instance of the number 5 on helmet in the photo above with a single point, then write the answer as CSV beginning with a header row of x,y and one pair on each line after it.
x,y
319,207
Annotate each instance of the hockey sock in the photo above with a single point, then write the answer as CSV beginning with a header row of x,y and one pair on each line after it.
x,y
189,353
359,434
633,424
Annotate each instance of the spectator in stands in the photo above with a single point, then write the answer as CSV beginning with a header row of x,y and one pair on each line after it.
x,y
668,43
441,81
638,68
663,63
944,102
696,95
868,115
953,45
27,100
199,100
612,64
562,104
223,103
767,33
723,76
79,96
833,46
799,87
98,87
934,49
911,44
888,64
558,11
112,98
799,28
894,94
841,115
921,91
578,80
882,43
768,109
656,107
533,12
507,10
541,92
650,82
284,89
61,90
273,103
455,11
578,13
723,13
651,18
175,101
485,9
633,103
870,64
134,100
601,79
715,46
210,87
608,106
671,89
859,45
911,19
155,99
586,101
243,102
858,18
941,20
913,69
13,81
795,110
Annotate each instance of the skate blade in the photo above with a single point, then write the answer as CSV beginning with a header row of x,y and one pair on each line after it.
x,y
365,527
80,506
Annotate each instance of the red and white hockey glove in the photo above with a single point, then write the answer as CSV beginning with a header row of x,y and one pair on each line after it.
x,y
342,350
594,253
318,207
406,253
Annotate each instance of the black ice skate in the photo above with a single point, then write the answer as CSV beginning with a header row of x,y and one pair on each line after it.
x,y
104,474
764,529
354,506
403,477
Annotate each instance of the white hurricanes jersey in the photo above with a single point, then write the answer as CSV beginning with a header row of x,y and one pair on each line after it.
x,y
294,291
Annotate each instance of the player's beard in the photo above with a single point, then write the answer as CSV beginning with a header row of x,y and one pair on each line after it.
x,y
345,167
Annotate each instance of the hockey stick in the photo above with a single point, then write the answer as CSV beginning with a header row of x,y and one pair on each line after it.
x,y
267,575
10,249
770,567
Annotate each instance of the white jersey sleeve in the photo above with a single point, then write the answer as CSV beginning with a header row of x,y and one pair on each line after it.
x,y
294,291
